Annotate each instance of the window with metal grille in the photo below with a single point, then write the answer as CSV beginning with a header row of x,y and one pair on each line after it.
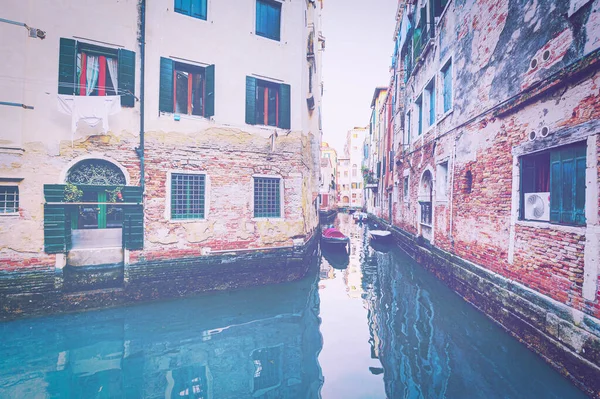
x,y
267,368
9,199
187,196
267,197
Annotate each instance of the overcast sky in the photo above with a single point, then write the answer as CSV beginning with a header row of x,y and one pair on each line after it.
x,y
357,58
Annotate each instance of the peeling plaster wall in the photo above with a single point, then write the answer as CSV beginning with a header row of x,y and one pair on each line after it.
x,y
37,146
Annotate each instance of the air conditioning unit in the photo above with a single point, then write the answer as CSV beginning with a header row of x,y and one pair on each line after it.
x,y
537,206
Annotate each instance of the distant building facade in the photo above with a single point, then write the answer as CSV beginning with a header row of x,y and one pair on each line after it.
x,y
328,176
353,150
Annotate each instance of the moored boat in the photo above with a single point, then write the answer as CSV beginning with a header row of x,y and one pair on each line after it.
x,y
380,235
335,237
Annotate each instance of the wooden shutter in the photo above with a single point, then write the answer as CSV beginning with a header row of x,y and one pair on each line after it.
x,y
126,72
133,227
567,185
199,9
67,65
250,100
391,161
383,166
284,106
57,221
165,97
378,170
132,194
210,91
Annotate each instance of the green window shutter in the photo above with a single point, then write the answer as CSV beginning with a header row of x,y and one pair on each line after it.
x,y
378,170
284,106
133,227
579,192
165,97
132,194
67,70
383,166
54,192
126,72
250,100
210,91
57,229
555,186
199,9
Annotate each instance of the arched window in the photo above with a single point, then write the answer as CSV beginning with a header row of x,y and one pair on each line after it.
x,y
96,172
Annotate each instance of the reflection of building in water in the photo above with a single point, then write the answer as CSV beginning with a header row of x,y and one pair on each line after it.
x,y
256,343
413,355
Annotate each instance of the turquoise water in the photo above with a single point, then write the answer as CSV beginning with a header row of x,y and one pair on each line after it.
x,y
369,325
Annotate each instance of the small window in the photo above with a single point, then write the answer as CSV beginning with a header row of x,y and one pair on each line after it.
x,y
354,185
187,196
267,197
354,196
268,19
267,103
553,185
447,89
468,182
189,89
405,188
193,8
408,121
442,181
9,199
419,104
430,90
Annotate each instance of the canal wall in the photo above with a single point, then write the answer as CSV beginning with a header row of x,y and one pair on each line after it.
x,y
568,339
47,290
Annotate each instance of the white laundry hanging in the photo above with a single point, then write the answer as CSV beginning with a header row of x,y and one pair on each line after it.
x,y
91,109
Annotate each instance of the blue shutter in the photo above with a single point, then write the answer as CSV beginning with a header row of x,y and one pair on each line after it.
x,y
391,161
126,73
567,185
210,91
383,166
432,105
448,88
420,110
251,99
67,60
198,9
165,101
285,106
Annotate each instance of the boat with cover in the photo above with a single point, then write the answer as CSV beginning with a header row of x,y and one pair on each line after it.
x,y
380,235
333,236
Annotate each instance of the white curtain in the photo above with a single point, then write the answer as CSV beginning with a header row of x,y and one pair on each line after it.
x,y
112,70
91,73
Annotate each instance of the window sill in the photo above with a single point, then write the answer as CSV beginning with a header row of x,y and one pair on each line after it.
x,y
444,116
442,201
191,16
280,219
10,214
184,116
270,39
552,226
426,225
12,150
187,220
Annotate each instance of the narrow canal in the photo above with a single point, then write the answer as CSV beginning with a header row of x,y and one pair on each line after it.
x,y
373,324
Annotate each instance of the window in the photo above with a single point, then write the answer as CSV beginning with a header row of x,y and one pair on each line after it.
x,y
354,135
186,89
430,89
405,188
267,103
561,173
267,198
187,196
89,70
354,196
354,185
193,8
468,182
419,105
267,368
268,19
407,142
9,199
447,90
442,181
391,160
345,173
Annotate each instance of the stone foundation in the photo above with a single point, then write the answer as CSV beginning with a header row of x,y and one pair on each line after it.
x,y
567,339
50,290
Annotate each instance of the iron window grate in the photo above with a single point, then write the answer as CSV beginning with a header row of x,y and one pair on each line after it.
x,y
266,197
9,199
187,196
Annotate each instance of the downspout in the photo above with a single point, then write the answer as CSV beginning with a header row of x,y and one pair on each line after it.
x,y
142,40
451,199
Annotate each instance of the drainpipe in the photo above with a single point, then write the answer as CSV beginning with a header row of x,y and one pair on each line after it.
x,y
142,40
451,199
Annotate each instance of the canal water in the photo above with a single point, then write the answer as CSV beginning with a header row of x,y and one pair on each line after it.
x,y
371,324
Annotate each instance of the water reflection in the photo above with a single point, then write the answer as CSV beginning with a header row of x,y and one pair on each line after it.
x,y
379,325
260,343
